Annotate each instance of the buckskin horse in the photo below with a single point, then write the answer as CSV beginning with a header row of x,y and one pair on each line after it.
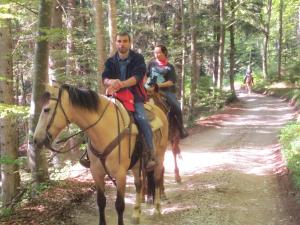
x,y
112,140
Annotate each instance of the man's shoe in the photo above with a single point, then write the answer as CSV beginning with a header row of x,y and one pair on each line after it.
x,y
150,162
84,160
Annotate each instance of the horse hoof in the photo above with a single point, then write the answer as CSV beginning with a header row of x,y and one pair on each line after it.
x,y
178,179
163,197
135,220
157,212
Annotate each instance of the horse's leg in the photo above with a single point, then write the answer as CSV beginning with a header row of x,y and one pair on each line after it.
x,y
120,203
101,199
144,190
158,182
136,215
176,151
101,202
162,186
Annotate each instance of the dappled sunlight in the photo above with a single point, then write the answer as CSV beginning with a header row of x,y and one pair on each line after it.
x,y
258,161
177,207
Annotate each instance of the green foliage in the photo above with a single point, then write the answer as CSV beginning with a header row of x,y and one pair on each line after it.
x,y
210,99
6,212
14,111
290,141
4,159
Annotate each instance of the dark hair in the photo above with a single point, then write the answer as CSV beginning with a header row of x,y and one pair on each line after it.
x,y
163,49
124,33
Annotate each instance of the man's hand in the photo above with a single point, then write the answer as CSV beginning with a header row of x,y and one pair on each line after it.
x,y
113,85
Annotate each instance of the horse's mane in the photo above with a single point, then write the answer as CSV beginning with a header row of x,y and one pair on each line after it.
x,y
82,97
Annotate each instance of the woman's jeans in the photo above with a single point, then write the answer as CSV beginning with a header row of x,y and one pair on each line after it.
x,y
143,123
173,102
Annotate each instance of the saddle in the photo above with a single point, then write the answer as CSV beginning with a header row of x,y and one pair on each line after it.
x,y
155,121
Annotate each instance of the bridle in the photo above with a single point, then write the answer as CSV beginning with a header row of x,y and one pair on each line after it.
x,y
48,140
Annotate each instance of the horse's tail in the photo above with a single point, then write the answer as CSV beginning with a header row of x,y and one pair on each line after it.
x,y
151,185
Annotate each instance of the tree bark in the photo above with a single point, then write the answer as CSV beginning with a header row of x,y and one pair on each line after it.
x,y
8,127
37,159
221,46
216,28
100,40
112,25
279,71
266,40
57,49
193,58
183,40
71,62
232,46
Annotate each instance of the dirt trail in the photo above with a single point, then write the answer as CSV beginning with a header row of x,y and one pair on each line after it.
x,y
230,173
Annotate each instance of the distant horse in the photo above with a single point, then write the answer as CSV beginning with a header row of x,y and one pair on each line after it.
x,y
174,130
112,140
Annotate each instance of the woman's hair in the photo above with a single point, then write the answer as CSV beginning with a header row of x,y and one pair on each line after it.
x,y
163,49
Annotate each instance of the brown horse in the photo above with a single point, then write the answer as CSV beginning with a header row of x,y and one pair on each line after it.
x,y
159,99
112,140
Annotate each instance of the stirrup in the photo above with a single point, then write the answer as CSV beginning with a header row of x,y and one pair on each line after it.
x,y
84,160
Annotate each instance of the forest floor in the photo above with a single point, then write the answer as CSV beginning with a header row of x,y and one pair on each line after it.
x,y
232,172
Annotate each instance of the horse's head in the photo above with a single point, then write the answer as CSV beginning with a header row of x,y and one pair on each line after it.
x,y
60,106
53,118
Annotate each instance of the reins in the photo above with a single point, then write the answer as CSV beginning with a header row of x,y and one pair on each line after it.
x,y
101,155
58,101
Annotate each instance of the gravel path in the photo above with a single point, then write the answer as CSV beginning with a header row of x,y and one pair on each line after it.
x,y
230,170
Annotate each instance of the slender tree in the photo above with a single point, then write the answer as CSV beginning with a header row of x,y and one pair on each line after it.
x,y
266,32
100,39
37,159
221,46
112,25
232,4
280,39
193,58
71,23
57,48
183,44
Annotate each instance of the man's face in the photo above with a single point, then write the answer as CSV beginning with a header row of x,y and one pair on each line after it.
x,y
122,44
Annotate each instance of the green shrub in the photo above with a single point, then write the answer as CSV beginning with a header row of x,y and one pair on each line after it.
x,y
290,141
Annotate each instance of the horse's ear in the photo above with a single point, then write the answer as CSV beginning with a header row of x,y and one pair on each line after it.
x,y
53,89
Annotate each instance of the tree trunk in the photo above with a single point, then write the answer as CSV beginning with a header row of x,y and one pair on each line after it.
x,y
70,20
221,46
37,159
112,25
131,22
100,40
232,46
193,58
216,28
57,49
266,40
183,40
8,126
280,39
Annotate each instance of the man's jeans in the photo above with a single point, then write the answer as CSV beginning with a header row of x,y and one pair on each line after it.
x,y
143,123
